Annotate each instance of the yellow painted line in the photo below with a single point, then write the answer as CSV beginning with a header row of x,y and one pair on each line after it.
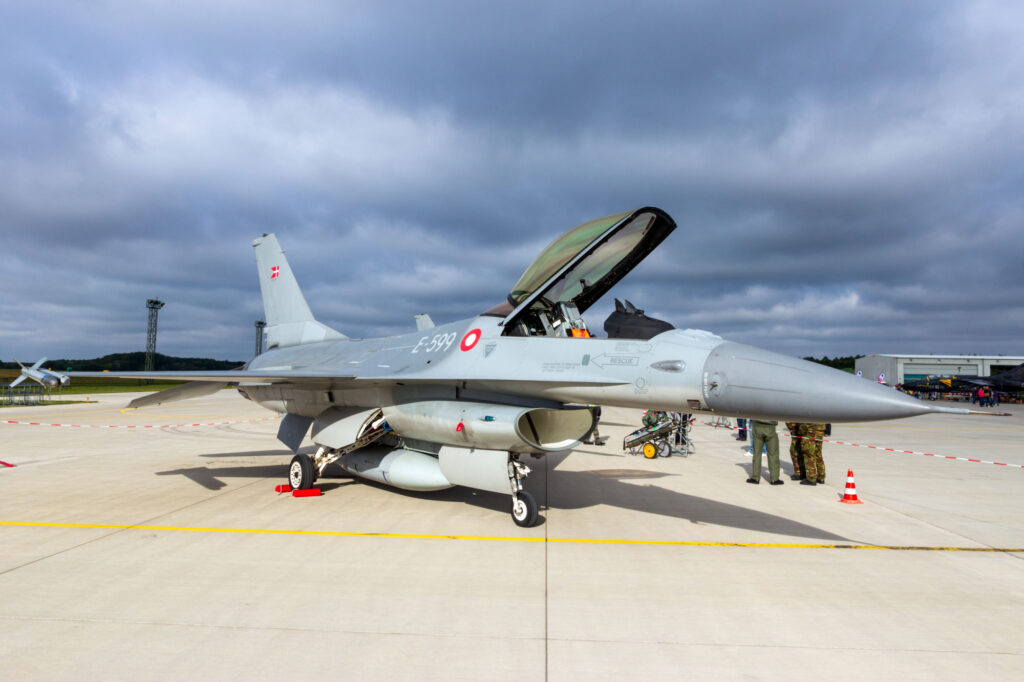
x,y
500,538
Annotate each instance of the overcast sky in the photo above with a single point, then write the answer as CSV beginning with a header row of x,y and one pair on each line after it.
x,y
848,177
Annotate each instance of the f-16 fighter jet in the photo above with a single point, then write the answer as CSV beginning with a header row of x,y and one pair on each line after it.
x,y
465,403
46,377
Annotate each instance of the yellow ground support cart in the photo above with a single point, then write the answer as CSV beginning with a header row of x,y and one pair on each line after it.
x,y
651,441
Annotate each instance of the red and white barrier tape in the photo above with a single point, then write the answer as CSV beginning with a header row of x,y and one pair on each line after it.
x,y
138,426
907,452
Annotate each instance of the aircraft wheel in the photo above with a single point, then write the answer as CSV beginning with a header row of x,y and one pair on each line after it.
x,y
664,449
524,509
300,473
650,452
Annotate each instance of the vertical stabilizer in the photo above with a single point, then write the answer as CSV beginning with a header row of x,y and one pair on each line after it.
x,y
289,319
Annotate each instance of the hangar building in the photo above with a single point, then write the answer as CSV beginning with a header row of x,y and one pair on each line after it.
x,y
898,369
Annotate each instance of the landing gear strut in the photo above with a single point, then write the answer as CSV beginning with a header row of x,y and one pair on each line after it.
x,y
524,507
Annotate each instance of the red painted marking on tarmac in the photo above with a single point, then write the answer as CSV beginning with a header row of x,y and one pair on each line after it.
x,y
974,460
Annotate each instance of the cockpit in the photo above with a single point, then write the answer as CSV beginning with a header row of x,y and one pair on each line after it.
x,y
577,269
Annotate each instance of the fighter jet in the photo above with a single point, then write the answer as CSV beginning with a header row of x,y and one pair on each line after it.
x,y
46,377
465,403
1010,381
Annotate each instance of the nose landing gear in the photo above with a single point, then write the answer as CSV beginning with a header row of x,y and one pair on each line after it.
x,y
524,507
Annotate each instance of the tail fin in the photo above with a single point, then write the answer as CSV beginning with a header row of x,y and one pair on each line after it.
x,y
289,319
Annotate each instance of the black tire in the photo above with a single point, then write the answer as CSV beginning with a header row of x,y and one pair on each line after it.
x,y
300,472
524,509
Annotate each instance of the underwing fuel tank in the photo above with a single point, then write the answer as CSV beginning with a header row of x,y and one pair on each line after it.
x,y
745,381
401,468
412,470
491,427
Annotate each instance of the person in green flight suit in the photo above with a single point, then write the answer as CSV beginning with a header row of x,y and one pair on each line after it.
x,y
765,434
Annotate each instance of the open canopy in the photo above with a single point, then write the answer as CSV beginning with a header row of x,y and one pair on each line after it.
x,y
581,266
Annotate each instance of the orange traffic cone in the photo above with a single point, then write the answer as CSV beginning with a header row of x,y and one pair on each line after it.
x,y
850,497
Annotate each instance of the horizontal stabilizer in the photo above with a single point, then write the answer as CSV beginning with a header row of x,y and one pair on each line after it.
x,y
18,380
193,389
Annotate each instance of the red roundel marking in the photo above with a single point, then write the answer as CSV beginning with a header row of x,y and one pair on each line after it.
x,y
470,339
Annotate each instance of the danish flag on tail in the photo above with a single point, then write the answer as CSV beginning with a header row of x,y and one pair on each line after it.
x,y
275,271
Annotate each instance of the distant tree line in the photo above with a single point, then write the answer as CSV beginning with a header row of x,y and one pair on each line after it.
x,y
845,363
134,362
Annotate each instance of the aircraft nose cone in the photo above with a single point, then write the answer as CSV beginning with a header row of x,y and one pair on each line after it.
x,y
50,381
750,382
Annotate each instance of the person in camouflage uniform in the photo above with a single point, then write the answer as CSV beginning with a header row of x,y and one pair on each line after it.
x,y
814,464
795,455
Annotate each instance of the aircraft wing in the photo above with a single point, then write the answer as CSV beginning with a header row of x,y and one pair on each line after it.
x,y
21,378
322,379
200,384
222,376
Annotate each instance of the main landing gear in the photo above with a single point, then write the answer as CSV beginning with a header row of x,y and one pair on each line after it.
x,y
302,473
305,470
524,507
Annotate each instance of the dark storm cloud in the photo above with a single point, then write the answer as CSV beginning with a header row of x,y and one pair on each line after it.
x,y
846,176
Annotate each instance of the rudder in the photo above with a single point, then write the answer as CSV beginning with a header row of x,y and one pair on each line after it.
x,y
290,322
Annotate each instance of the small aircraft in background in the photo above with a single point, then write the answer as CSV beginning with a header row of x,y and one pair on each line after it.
x,y
464,403
46,377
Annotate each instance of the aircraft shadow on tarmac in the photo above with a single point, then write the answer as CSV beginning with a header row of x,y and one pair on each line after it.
x,y
553,488
578,489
